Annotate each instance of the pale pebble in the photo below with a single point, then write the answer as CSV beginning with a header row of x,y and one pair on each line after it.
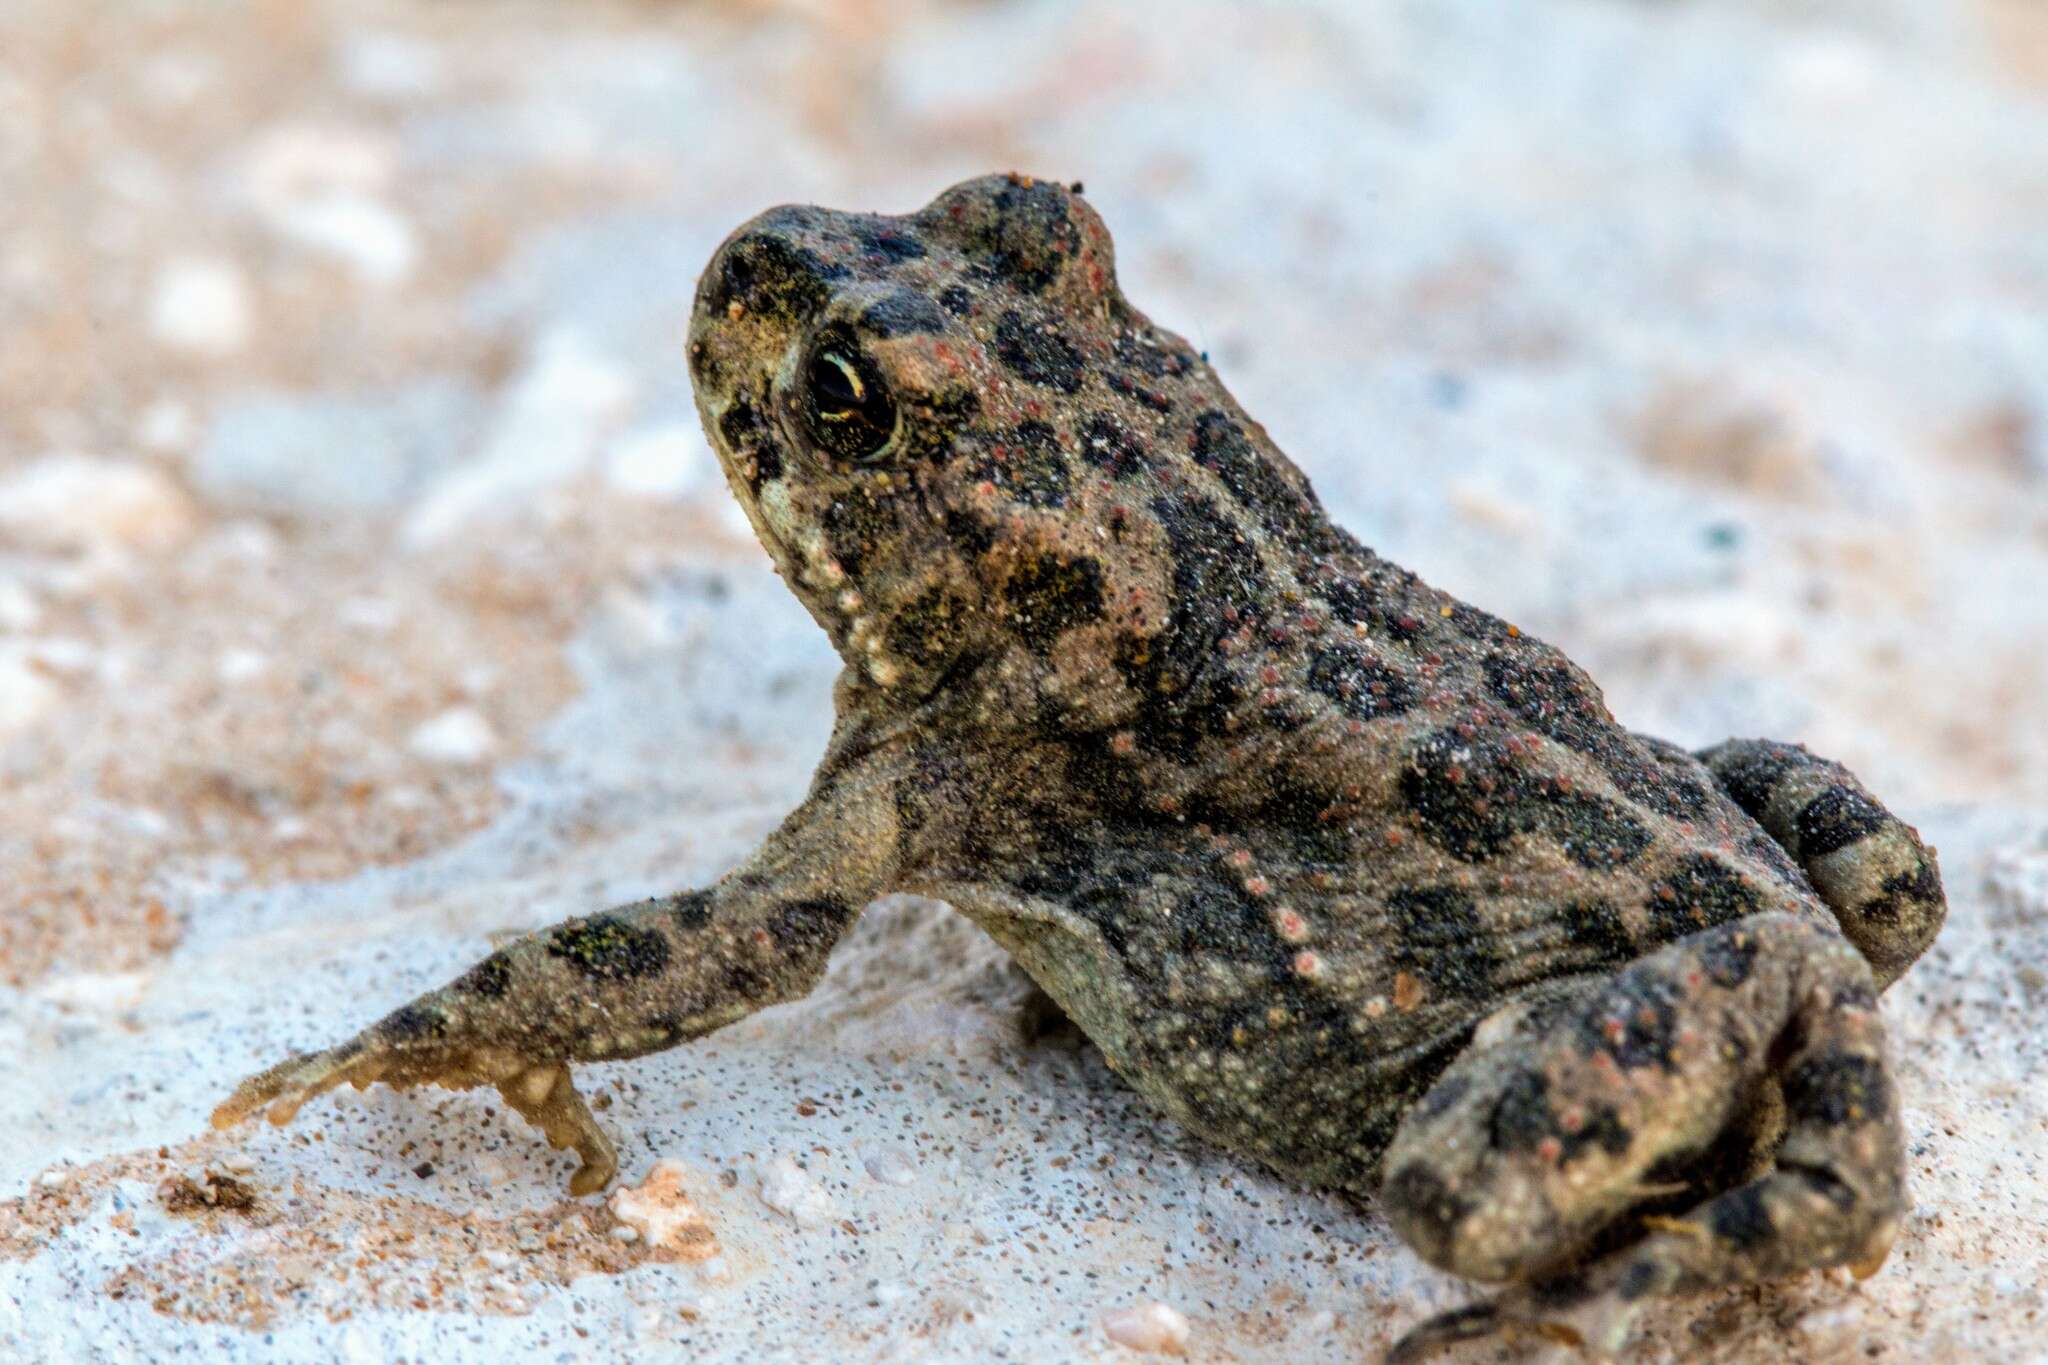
x,y
241,665
791,1191
166,425
69,501
26,695
201,305
461,734
19,610
890,1165
660,1210
1155,1328
371,237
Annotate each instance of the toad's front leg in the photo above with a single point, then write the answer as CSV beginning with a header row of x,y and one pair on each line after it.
x,y
627,982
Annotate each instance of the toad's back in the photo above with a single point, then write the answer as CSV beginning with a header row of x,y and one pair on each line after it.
x,y
1251,802
1282,897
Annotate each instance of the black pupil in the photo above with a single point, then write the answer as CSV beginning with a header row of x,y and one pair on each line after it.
x,y
847,407
832,382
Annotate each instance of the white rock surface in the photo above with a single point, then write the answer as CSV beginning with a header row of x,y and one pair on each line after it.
x,y
202,305
461,734
94,504
558,410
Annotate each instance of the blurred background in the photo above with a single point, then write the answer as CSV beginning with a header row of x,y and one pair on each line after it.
x,y
358,544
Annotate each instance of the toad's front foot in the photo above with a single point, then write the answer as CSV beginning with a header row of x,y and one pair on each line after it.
x,y
404,1054
542,1092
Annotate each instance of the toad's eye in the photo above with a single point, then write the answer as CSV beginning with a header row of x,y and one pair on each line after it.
x,y
846,407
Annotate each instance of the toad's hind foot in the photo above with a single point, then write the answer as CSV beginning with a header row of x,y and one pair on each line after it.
x,y
1592,1326
1533,1148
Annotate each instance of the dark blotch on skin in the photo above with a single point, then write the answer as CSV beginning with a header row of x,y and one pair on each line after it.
x,y
892,245
1048,596
1921,886
1558,700
1029,466
1835,819
933,425
1442,1096
1148,354
769,274
489,978
1636,1281
1597,928
1524,1116
1108,445
929,631
1220,445
1634,1020
409,1022
747,437
1038,353
1474,624
1729,957
903,313
1700,892
1031,237
1822,1181
974,537
1361,685
1750,778
1382,596
1463,792
938,781
1594,833
1440,937
854,526
1554,698
691,910
607,948
1433,1209
1219,586
1740,1219
1837,1088
957,300
805,928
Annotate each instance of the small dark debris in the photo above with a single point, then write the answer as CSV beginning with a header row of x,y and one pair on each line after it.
x,y
212,1192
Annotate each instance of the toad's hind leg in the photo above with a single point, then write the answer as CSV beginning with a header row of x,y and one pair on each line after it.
x,y
1869,866
1534,1145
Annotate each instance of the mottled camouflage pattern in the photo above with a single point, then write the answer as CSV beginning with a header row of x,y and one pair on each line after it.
x,y
1344,874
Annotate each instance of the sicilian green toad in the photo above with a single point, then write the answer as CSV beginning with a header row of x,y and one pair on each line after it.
x,y
1345,875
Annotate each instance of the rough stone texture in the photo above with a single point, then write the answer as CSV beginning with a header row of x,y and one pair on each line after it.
x,y
1705,340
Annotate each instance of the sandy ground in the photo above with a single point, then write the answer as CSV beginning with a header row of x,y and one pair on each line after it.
x,y
366,591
